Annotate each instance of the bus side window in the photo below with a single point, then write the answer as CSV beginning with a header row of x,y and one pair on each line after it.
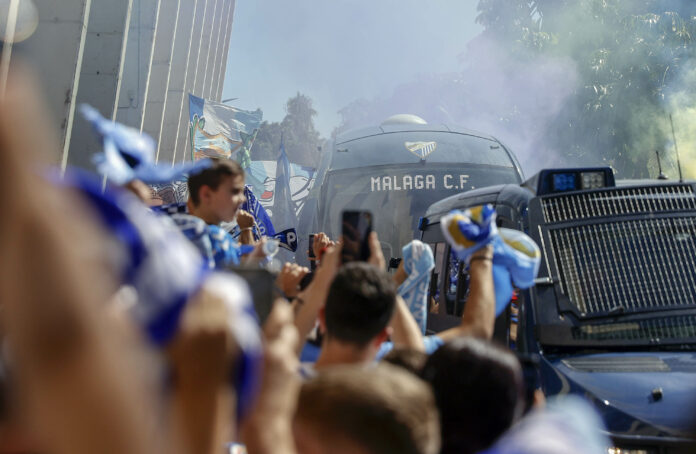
x,y
439,250
456,279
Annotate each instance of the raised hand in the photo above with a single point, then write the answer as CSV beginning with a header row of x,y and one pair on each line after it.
x,y
268,429
376,255
200,357
289,278
245,219
321,242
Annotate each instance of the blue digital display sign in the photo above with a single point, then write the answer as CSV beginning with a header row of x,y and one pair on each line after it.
x,y
564,182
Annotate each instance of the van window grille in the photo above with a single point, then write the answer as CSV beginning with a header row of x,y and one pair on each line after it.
x,y
627,266
655,329
619,201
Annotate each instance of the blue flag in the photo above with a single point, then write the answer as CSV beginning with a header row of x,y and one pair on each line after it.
x,y
288,239
253,206
283,207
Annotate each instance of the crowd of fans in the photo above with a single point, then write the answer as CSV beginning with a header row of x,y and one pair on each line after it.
x,y
124,330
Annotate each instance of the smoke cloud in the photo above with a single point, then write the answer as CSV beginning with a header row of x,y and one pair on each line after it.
x,y
599,93
515,101
681,102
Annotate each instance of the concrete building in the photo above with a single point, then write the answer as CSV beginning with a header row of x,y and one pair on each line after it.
x,y
134,60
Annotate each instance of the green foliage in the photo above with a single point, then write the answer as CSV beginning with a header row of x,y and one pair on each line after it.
x,y
630,55
297,130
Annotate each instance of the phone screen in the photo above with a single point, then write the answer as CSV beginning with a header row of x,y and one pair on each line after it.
x,y
356,226
262,287
310,253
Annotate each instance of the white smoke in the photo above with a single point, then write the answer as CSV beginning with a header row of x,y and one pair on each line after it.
x,y
513,102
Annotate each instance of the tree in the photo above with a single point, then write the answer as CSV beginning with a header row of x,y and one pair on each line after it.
x,y
566,82
629,56
300,138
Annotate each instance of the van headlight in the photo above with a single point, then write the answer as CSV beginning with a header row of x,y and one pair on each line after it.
x,y
615,450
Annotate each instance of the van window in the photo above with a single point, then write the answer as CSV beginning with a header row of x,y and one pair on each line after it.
x,y
439,250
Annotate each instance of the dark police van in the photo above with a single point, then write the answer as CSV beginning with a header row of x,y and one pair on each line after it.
x,y
396,170
613,314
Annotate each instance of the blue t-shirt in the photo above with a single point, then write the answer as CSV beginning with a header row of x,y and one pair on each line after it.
x,y
310,352
431,343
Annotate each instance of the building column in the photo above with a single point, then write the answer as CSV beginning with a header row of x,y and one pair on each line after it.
x,y
224,53
174,99
181,145
156,89
56,51
204,48
100,74
212,49
141,38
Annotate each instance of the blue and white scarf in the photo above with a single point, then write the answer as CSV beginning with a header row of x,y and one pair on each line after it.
x,y
516,257
418,263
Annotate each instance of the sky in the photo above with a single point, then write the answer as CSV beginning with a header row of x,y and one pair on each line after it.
x,y
337,51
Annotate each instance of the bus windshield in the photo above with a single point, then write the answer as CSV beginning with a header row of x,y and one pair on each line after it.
x,y
410,147
398,195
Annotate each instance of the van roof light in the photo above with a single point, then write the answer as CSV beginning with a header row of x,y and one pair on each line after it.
x,y
553,181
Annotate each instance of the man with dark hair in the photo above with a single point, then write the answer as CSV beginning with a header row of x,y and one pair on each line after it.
x,y
477,320
359,305
357,410
479,392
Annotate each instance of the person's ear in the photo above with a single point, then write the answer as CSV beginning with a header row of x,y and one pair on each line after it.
x,y
205,193
382,336
322,319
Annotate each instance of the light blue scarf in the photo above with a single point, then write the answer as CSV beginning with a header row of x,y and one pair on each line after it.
x,y
418,263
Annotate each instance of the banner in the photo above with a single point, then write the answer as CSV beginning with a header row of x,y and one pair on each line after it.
x,y
261,176
219,130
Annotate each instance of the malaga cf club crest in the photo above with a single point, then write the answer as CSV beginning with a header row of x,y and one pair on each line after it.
x,y
421,149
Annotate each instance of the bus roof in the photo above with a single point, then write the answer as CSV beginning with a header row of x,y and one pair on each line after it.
x,y
416,144
355,134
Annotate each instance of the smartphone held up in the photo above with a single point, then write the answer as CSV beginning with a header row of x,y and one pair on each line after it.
x,y
356,227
